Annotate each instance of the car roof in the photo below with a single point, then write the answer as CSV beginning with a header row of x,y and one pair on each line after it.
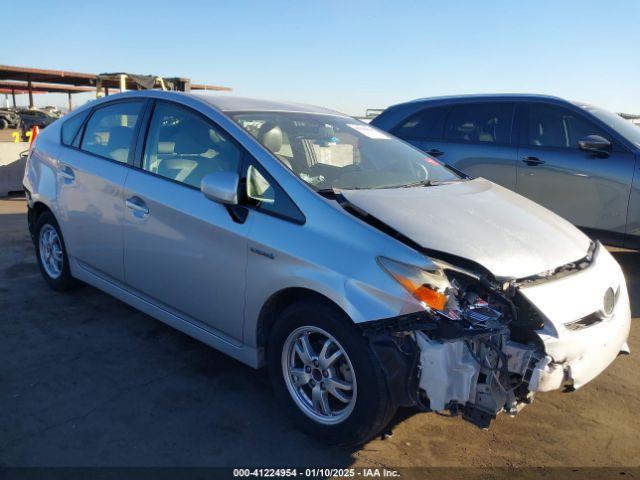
x,y
228,103
485,97
223,103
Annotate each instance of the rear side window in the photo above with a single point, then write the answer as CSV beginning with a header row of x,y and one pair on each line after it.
x,y
110,130
183,146
480,123
558,127
71,126
426,124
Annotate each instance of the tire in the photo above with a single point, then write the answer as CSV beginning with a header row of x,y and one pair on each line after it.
x,y
57,274
353,423
3,123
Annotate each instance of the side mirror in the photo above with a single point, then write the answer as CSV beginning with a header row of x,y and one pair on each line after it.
x,y
221,187
595,144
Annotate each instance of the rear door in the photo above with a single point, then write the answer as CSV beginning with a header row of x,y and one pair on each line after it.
x,y
91,175
474,137
589,190
184,252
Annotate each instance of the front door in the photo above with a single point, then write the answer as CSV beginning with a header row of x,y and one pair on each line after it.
x,y
182,251
589,190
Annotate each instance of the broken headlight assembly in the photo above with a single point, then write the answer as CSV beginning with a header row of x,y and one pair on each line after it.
x,y
430,288
466,358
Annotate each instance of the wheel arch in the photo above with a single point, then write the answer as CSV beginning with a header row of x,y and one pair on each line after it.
x,y
281,300
35,210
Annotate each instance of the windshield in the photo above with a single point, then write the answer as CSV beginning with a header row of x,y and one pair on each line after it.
x,y
624,127
339,152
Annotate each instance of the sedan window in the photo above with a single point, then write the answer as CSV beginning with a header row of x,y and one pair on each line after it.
x,y
427,124
183,146
71,126
557,127
264,194
480,122
110,130
624,127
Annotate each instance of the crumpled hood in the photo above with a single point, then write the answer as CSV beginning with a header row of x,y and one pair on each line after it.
x,y
509,235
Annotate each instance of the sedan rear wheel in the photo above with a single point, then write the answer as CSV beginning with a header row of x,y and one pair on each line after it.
x,y
51,253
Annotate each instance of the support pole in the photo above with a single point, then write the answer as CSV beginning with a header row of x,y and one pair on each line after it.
x,y
30,87
13,96
70,103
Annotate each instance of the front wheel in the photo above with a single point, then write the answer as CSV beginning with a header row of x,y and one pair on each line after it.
x,y
323,369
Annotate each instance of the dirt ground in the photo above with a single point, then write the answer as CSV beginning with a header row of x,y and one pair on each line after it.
x,y
87,381
6,135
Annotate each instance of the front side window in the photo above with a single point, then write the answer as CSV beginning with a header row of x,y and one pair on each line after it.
x,y
110,130
558,127
329,151
265,194
480,122
624,127
183,146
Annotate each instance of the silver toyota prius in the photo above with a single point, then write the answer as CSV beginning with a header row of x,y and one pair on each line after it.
x,y
363,273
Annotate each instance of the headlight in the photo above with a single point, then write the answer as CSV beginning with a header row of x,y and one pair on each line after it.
x,y
428,286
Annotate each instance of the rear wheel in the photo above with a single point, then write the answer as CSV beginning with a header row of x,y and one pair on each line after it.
x,y
3,123
323,369
52,254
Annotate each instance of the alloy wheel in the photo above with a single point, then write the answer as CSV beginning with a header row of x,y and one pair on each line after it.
x,y
319,375
50,248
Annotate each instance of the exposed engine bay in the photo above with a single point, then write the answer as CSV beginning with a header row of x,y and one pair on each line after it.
x,y
474,358
481,354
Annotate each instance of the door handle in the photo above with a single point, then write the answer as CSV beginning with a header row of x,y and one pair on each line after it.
x,y
533,161
66,172
137,205
435,152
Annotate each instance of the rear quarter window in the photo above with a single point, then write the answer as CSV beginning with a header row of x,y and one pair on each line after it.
x,y
71,127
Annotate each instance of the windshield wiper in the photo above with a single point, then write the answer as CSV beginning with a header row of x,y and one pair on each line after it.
x,y
421,183
326,192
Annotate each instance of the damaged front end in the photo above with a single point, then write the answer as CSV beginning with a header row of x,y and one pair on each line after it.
x,y
477,349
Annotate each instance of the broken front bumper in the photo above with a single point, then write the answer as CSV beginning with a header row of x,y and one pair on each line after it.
x,y
580,340
577,357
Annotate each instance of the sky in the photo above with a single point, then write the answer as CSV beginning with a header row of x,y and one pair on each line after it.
x,y
346,55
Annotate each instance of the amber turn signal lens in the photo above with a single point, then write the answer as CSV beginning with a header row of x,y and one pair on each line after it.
x,y
435,300
432,298
427,287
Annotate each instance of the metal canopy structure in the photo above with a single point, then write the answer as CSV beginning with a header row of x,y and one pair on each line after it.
x,y
17,80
